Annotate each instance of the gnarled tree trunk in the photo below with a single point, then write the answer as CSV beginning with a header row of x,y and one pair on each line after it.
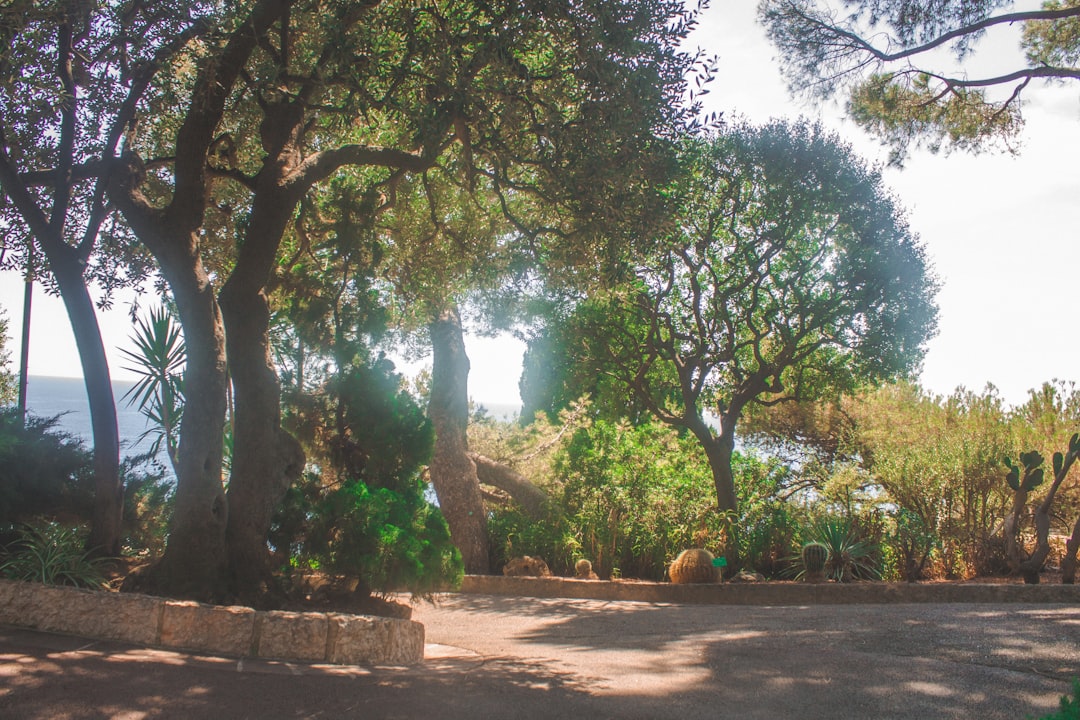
x,y
195,562
266,459
529,497
453,473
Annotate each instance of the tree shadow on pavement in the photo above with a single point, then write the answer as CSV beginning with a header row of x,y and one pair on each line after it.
x,y
46,677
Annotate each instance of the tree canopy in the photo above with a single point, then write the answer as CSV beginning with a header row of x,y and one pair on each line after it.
x,y
791,274
888,58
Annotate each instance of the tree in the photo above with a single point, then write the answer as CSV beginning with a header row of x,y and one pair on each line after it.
x,y
558,101
71,76
7,380
885,55
790,275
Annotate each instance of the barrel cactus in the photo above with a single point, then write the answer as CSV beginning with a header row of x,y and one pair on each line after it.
x,y
814,557
583,570
693,566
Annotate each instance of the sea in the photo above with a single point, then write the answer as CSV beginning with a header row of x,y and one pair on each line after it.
x,y
65,399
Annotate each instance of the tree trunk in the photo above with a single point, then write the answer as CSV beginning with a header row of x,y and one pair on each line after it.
x,y
718,451
530,498
266,460
195,562
453,473
105,527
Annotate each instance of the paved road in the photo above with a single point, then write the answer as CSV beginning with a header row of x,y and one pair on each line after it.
x,y
495,657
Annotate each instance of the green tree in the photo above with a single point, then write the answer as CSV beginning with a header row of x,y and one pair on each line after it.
x,y
559,101
885,55
71,76
790,275
360,509
7,378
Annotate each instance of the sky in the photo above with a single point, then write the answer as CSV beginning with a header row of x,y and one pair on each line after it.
x,y
1002,233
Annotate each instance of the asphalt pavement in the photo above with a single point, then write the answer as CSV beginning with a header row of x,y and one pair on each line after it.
x,y
506,657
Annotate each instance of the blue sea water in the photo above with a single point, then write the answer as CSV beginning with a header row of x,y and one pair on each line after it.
x,y
66,397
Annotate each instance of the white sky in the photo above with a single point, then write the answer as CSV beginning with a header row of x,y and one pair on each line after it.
x,y
1002,232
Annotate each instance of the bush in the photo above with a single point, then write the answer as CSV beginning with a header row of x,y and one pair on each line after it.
x,y
627,498
148,506
854,554
52,554
43,472
361,510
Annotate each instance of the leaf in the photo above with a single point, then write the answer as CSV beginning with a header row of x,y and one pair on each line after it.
x,y
1033,480
1013,478
1059,462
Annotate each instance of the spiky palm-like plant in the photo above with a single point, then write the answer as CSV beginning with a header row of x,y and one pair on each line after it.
x,y
158,359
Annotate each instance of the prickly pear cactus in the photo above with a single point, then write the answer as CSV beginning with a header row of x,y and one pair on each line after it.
x,y
693,566
814,557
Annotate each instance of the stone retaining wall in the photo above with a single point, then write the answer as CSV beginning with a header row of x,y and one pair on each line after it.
x,y
771,593
227,631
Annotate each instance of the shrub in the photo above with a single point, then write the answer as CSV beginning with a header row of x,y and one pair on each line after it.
x,y
43,472
852,554
361,509
52,554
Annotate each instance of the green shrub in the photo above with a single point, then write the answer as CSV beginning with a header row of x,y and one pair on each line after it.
x,y
43,472
52,554
148,505
361,509
853,553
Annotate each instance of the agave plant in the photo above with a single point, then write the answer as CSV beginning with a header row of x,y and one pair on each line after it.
x,y
158,360
52,554
851,556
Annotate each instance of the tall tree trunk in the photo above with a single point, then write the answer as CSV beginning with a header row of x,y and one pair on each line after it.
x,y
195,562
266,459
105,527
718,451
453,473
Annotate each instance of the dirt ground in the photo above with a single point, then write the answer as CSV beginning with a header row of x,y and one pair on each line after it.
x,y
491,657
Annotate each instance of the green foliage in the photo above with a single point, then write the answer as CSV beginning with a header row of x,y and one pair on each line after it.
x,y
148,504
390,539
8,385
50,553
361,510
885,55
158,359
630,498
1070,709
852,555
635,497
43,472
913,542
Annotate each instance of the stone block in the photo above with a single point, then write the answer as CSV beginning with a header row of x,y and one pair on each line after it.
x,y
368,640
207,628
291,635
102,615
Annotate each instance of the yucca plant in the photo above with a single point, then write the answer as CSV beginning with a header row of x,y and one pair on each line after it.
x,y
52,554
851,556
158,359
